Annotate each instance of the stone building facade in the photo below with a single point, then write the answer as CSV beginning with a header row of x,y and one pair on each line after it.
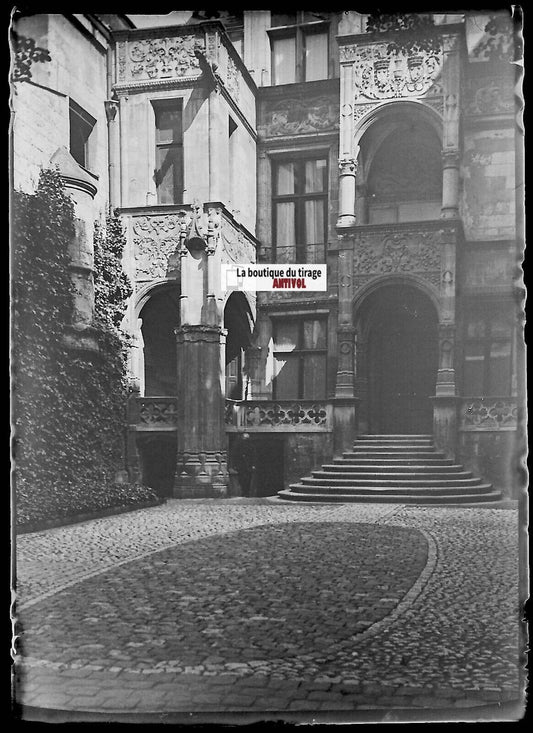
x,y
296,137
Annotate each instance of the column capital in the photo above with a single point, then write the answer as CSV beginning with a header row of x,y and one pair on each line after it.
x,y
348,166
451,157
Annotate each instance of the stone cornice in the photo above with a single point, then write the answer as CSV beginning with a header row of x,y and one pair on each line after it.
x,y
365,39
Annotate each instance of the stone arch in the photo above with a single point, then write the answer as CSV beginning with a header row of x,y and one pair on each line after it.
x,y
397,279
399,173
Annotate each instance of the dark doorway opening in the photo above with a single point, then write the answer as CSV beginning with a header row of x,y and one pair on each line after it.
x,y
160,318
258,461
158,461
402,360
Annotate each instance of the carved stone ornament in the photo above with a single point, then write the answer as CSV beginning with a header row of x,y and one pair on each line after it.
x,y
163,58
489,414
298,116
199,230
156,241
236,248
378,76
232,78
489,96
401,252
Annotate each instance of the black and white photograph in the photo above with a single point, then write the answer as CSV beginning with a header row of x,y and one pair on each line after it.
x,y
231,504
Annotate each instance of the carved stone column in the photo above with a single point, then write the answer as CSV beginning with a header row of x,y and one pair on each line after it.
x,y
202,461
450,184
344,403
445,401
347,173
348,155
451,81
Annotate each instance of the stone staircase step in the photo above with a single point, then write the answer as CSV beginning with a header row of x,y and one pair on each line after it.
x,y
382,482
374,497
481,488
391,475
349,468
405,469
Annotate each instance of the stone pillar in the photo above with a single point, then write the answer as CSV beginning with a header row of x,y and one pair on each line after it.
x,y
451,81
80,186
344,403
202,462
347,154
450,184
445,400
347,168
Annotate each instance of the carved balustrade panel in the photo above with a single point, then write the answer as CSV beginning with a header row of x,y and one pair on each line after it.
x,y
288,415
396,250
156,246
489,413
156,413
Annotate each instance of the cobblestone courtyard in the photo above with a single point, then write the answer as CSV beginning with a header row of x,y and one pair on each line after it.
x,y
368,612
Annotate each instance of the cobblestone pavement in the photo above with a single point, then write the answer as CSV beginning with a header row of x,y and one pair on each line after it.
x,y
209,607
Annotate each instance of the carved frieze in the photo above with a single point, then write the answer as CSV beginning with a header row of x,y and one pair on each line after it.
x,y
300,116
414,252
489,413
378,75
160,58
156,242
236,247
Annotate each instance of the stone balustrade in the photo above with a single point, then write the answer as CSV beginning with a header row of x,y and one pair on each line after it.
x,y
278,416
153,413
488,413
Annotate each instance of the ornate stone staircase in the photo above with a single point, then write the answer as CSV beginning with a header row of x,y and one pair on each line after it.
x,y
398,469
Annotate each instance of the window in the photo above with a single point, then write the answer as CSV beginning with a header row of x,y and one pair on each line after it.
x,y
487,352
168,151
299,43
81,128
300,209
300,347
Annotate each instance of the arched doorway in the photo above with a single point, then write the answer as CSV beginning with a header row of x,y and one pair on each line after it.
x,y
160,317
238,321
399,325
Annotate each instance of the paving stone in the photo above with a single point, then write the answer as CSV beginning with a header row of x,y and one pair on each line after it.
x,y
450,643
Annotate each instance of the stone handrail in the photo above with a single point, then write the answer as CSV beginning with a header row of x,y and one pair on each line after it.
x,y
153,413
278,415
488,413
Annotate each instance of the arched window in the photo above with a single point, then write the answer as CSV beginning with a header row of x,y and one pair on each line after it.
x,y
404,181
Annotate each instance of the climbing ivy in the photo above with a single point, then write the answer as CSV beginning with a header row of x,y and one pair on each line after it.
x,y
69,405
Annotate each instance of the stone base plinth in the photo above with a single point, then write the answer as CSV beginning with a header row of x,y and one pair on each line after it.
x,y
201,475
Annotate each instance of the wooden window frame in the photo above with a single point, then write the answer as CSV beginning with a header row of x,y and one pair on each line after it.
x,y
487,341
299,31
299,199
300,353
176,104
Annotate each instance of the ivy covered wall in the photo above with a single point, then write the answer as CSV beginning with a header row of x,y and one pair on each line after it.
x,y
69,405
